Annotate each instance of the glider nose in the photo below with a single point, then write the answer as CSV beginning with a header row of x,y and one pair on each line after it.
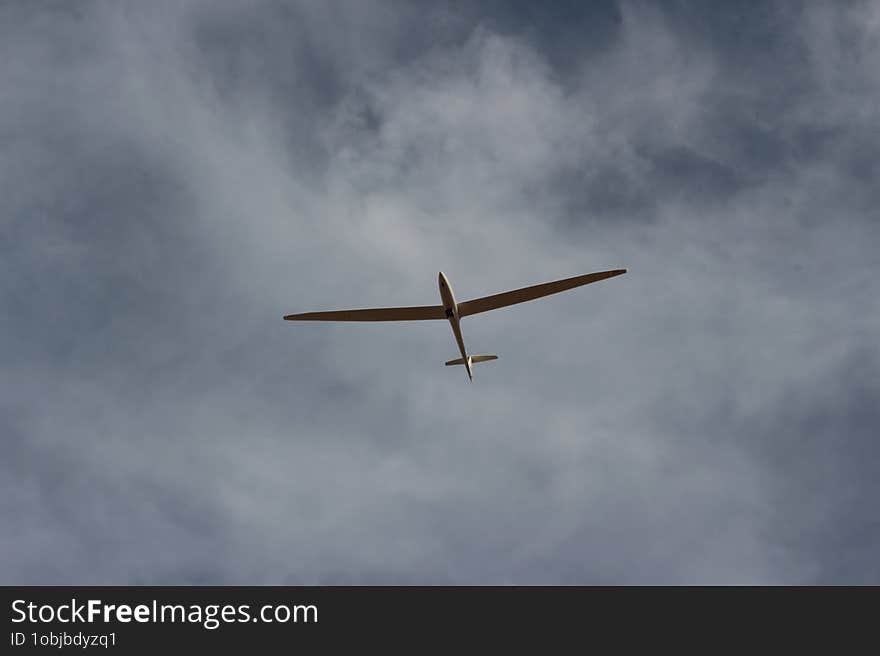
x,y
442,280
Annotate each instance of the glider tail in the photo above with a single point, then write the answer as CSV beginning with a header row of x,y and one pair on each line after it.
x,y
473,358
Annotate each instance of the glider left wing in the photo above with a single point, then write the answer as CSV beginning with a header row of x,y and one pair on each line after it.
x,y
417,313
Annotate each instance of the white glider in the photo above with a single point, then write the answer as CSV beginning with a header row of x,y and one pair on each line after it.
x,y
455,311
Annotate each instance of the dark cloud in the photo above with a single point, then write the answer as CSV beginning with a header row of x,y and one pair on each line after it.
x,y
180,175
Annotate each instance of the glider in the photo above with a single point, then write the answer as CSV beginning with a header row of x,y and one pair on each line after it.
x,y
454,311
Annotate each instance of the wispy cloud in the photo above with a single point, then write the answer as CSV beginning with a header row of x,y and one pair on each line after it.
x,y
178,176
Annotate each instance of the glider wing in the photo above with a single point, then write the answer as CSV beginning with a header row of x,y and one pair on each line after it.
x,y
374,314
504,299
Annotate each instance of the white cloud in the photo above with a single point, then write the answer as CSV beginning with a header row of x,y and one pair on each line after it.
x,y
617,439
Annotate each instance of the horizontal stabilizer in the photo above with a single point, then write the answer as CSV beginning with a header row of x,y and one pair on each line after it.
x,y
474,358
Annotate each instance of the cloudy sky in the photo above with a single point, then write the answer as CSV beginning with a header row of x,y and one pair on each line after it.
x,y
176,176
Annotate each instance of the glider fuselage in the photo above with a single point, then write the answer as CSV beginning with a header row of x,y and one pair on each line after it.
x,y
451,309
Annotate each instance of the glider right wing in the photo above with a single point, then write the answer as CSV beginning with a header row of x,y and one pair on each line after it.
x,y
504,299
374,314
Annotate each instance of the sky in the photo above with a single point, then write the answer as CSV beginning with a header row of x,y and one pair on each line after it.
x,y
177,176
